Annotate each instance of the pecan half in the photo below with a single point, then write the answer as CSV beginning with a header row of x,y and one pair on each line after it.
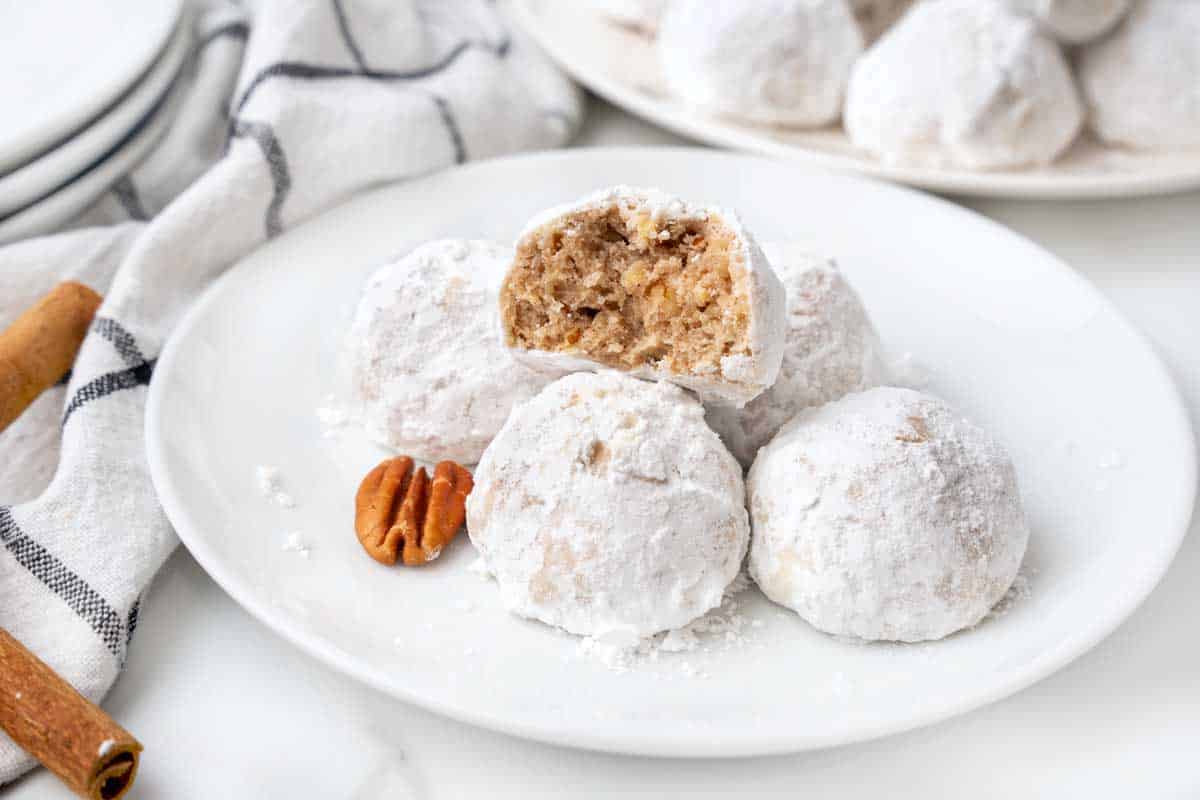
x,y
399,514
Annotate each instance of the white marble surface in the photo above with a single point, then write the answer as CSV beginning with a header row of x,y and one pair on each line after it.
x,y
228,710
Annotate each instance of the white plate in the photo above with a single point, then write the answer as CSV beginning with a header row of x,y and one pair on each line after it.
x,y
1013,337
620,66
50,171
65,61
55,209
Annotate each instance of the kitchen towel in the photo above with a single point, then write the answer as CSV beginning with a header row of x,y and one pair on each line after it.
x,y
283,110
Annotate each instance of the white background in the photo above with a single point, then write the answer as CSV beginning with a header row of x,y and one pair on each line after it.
x,y
226,709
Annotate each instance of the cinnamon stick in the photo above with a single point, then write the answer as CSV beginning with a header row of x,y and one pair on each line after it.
x,y
38,348
94,756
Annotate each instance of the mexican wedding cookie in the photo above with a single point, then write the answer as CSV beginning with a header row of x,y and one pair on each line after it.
x,y
885,515
831,350
963,83
1143,81
1073,21
776,62
428,372
607,507
640,281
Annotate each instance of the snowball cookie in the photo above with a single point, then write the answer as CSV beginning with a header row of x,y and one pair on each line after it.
x,y
1143,82
876,16
778,62
831,349
640,281
606,506
639,14
1073,21
427,369
963,83
885,515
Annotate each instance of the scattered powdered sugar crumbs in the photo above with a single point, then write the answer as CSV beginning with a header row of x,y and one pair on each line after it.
x,y
269,486
723,629
294,543
333,417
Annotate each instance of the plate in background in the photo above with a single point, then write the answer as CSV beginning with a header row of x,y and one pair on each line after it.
x,y
1010,334
620,65
51,171
66,61
53,210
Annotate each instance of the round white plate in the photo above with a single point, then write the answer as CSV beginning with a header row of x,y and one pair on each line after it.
x,y
55,209
43,175
65,61
620,65
1011,335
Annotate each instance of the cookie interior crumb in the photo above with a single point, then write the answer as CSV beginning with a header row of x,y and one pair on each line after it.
x,y
618,287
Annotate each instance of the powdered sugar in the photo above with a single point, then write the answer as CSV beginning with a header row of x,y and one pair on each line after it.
x,y
270,481
267,479
428,371
605,506
778,62
830,349
722,629
963,83
294,543
333,417
1021,590
884,515
1143,81
1074,21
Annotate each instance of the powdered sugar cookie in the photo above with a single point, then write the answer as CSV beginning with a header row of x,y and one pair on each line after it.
x,y
831,349
428,372
1143,81
885,515
606,506
1074,21
963,83
778,62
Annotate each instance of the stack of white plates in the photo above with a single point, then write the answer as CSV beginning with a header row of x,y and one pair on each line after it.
x,y
83,96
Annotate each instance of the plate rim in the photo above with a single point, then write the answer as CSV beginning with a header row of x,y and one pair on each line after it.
x,y
746,138
278,621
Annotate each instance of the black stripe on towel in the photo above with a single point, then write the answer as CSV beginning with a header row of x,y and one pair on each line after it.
x,y
121,339
281,178
305,71
70,588
107,384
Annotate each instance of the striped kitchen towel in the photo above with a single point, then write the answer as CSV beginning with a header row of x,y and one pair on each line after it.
x,y
281,112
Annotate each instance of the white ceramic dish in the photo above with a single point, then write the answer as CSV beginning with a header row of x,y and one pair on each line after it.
x,y
1010,334
620,65
55,209
25,184
66,61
